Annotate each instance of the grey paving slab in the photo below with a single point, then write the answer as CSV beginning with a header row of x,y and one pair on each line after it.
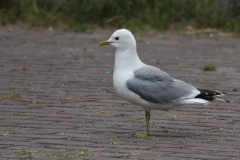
x,y
57,66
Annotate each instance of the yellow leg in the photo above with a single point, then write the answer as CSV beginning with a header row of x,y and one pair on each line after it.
x,y
147,116
145,135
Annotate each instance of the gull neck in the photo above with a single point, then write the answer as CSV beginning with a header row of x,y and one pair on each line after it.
x,y
127,59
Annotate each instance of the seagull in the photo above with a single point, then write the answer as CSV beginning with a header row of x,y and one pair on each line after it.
x,y
148,86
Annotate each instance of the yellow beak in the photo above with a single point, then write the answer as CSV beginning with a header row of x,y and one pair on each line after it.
x,y
104,43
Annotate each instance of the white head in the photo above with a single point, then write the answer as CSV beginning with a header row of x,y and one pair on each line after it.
x,y
121,39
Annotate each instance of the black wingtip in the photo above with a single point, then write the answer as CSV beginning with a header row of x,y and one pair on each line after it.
x,y
223,93
210,95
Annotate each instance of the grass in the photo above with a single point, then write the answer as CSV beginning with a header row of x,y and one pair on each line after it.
x,y
11,95
4,133
177,117
112,138
28,153
138,16
101,110
198,134
82,106
19,69
11,114
136,153
71,155
208,68
31,153
7,133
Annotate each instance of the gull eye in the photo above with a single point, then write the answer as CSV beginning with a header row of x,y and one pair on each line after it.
x,y
117,38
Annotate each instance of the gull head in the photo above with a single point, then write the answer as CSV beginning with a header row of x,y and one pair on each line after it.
x,y
120,39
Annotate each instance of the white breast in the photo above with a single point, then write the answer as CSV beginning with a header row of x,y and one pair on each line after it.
x,y
119,82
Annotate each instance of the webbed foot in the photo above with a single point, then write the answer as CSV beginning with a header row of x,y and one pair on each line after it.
x,y
144,136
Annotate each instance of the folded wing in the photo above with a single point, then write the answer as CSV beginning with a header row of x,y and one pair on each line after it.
x,y
154,85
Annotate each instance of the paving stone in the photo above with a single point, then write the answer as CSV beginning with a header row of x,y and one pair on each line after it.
x,y
57,66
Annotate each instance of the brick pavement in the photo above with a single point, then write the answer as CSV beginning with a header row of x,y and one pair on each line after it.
x,y
54,66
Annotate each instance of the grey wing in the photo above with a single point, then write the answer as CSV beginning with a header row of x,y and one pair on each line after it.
x,y
156,86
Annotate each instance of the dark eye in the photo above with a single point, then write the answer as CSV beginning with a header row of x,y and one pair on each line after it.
x,y
117,38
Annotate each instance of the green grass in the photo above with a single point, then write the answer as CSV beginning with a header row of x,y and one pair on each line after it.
x,y
28,153
136,15
5,132
31,153
208,68
67,155
11,114
11,95
82,106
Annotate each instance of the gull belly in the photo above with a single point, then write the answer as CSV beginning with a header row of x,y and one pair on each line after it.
x,y
120,78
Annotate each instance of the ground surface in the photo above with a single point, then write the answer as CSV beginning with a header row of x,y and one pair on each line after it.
x,y
51,66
